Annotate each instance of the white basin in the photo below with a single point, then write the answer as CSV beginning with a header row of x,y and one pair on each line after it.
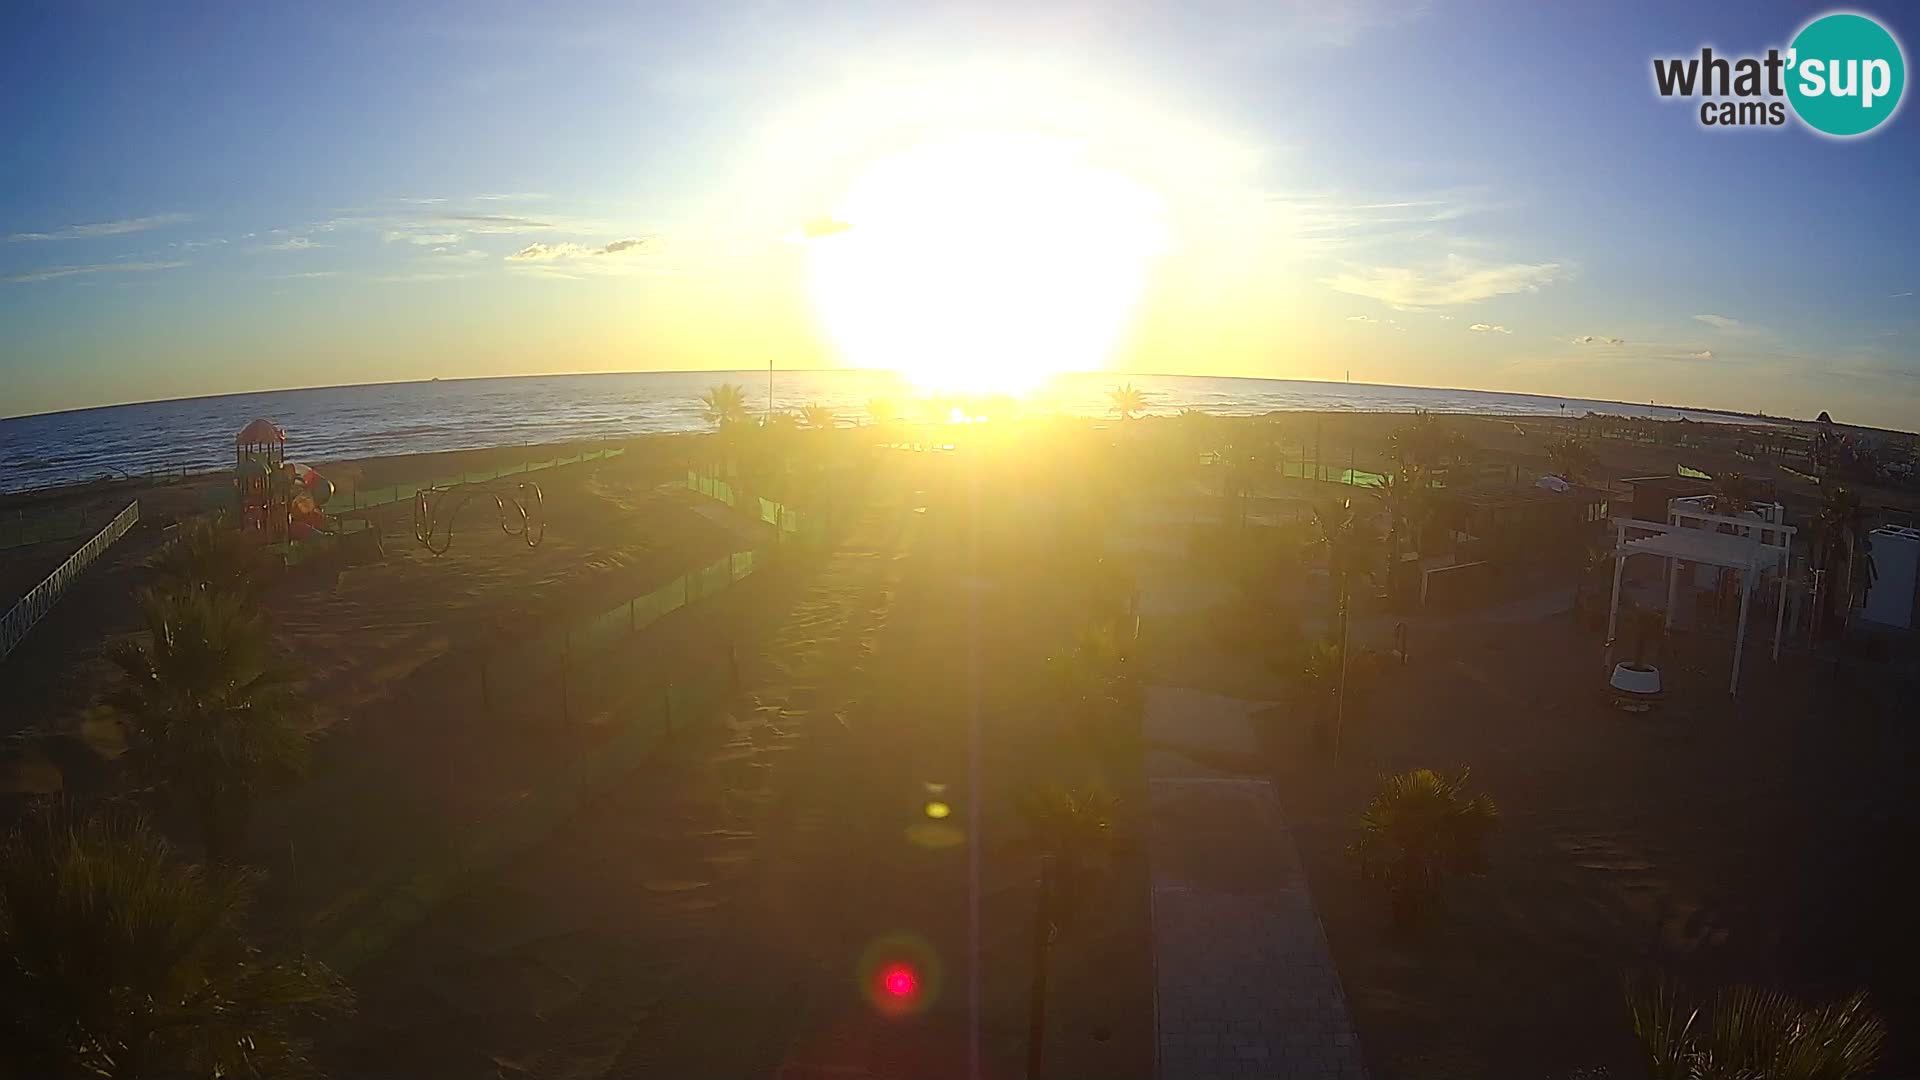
x,y
1630,679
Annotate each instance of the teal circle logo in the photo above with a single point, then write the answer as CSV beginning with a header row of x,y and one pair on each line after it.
x,y
1845,74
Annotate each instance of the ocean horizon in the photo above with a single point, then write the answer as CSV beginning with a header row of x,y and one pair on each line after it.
x,y
376,419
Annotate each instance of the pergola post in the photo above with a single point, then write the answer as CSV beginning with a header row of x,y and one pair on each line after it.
x,y
1780,606
1779,616
1740,635
1673,587
1613,609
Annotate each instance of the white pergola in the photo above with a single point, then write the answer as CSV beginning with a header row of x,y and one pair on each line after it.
x,y
1746,543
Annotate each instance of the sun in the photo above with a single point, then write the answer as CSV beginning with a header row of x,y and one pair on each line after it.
x,y
983,263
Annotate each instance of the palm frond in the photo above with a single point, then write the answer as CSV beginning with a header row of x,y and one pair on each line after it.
x,y
118,960
724,404
1420,829
1752,1033
213,715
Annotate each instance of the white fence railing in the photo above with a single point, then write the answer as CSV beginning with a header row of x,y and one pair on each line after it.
x,y
20,618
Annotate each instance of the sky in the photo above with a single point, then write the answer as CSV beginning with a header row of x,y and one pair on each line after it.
x,y
201,199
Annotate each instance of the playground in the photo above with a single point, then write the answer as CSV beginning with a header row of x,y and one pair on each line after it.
x,y
360,623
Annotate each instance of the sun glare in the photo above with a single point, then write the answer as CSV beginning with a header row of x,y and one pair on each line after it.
x,y
984,263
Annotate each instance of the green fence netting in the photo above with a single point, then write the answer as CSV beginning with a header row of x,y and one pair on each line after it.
x,y
405,897
363,499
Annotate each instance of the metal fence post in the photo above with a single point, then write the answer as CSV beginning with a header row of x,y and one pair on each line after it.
x,y
566,673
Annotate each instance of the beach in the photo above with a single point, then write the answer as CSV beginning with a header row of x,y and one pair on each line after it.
x,y
538,846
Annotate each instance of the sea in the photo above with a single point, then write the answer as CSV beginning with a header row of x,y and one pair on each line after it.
x,y
335,423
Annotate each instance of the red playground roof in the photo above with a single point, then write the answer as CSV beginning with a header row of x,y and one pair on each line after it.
x,y
260,431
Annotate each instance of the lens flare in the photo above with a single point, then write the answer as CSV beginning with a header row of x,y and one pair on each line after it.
x,y
899,975
899,980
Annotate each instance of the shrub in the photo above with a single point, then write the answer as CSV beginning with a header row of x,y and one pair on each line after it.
x,y
1420,829
1747,1033
118,961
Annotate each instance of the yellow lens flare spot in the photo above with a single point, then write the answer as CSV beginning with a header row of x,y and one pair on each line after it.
x,y
938,810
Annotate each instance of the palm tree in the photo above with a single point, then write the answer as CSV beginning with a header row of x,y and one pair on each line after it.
x,y
1420,829
1072,831
1352,551
1746,1033
212,714
1101,690
1844,527
210,555
818,417
1571,457
724,404
1591,561
1073,827
1128,400
1409,505
118,961
1416,445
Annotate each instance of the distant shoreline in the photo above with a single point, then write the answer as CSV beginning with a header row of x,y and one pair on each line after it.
x,y
746,373
379,420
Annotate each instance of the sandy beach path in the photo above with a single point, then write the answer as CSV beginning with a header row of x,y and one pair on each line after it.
x,y
707,919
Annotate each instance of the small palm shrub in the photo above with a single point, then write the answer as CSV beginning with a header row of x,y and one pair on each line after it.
x,y
209,555
119,961
213,716
1421,829
1748,1033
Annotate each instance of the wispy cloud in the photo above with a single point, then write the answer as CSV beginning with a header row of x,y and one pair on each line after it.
x,y
1898,295
539,252
1595,339
1751,334
1360,318
291,243
418,275
423,239
1488,328
53,272
1456,280
308,274
1703,354
104,228
821,227
1331,221
497,223
512,196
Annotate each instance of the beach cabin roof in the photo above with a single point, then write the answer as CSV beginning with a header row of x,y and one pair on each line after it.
x,y
260,431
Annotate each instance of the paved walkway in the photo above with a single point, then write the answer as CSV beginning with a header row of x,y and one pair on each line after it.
x,y
1244,983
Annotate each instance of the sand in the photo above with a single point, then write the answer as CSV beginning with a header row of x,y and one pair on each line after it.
x,y
707,914
709,919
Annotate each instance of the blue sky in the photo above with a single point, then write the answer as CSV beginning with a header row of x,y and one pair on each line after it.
x,y
206,199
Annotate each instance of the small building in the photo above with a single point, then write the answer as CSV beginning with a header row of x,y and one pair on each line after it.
x,y
1894,599
1651,494
1521,524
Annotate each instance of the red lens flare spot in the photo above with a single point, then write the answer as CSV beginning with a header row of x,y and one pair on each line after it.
x,y
899,980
